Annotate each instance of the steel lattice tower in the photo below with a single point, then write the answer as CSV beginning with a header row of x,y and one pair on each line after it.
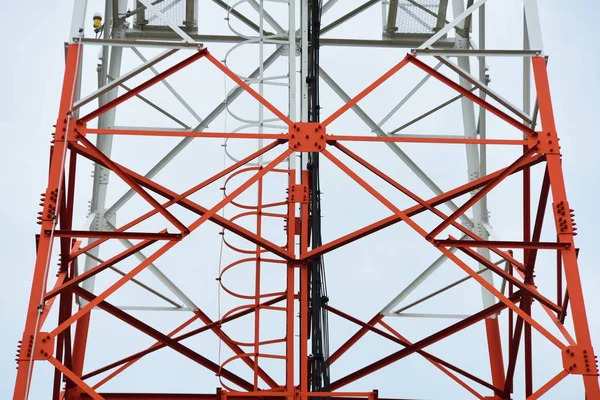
x,y
235,195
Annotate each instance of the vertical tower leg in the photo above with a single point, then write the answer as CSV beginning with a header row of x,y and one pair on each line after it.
x,y
564,223
49,219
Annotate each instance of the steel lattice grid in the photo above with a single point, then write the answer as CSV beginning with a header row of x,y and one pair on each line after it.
x,y
174,10
412,17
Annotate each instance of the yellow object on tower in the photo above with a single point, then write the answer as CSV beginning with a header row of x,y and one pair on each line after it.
x,y
97,21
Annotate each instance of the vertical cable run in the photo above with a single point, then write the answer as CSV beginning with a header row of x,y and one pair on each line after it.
x,y
319,370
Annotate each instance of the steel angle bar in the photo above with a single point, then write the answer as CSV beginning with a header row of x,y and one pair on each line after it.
x,y
416,283
481,193
118,128
394,147
156,107
421,344
484,88
395,42
503,244
266,16
157,273
140,88
150,132
408,96
415,138
118,81
169,44
474,98
179,338
115,235
433,294
234,94
532,17
327,6
155,334
74,378
248,89
475,53
152,308
358,10
167,21
399,339
430,315
137,282
208,214
97,269
391,17
169,87
428,113
90,148
525,287
448,27
393,219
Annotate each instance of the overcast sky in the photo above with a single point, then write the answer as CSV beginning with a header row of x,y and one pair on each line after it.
x,y
366,277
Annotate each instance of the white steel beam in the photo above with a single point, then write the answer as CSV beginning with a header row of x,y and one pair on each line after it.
x,y
457,20
480,213
168,86
78,20
465,74
408,96
393,146
104,142
116,82
234,94
534,30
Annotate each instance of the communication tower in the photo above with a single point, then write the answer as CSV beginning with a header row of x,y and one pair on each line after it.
x,y
290,199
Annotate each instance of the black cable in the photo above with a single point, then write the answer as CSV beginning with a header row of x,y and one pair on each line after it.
x,y
319,324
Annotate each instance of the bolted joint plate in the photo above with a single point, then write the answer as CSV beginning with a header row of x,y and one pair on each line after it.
x,y
307,137
43,349
579,360
546,142
565,218
298,194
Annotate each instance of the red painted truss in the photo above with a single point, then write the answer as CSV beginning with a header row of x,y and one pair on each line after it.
x,y
64,345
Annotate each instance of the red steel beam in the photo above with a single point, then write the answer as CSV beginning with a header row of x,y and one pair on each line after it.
x,y
481,193
203,134
332,138
248,89
365,92
177,339
524,286
393,219
495,244
116,235
99,268
436,337
471,96
133,184
182,196
161,337
52,201
421,202
140,88
196,208
403,342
